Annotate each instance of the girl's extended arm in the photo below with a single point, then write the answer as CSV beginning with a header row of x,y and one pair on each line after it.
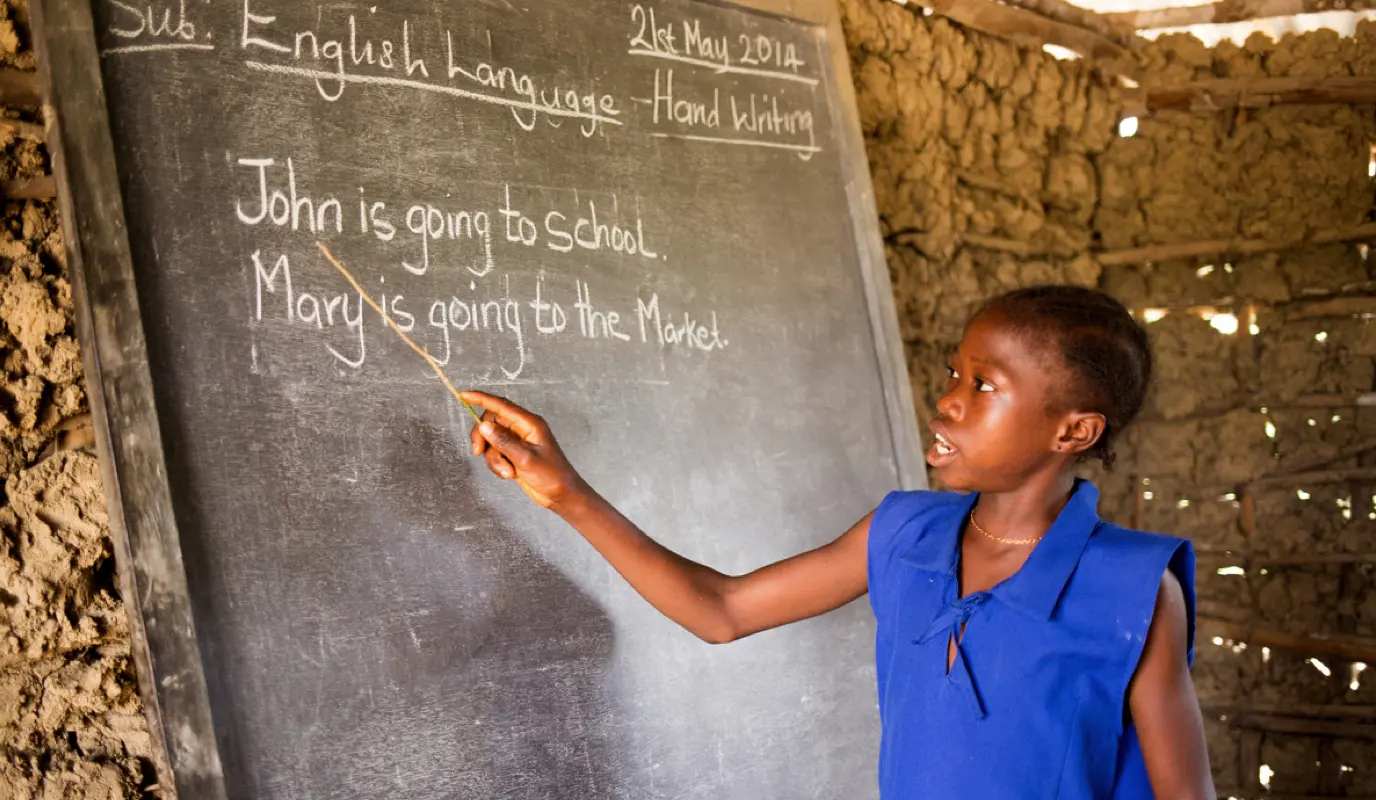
x,y
518,445
1165,708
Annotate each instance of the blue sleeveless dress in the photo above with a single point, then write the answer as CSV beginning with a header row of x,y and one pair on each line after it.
x,y
1035,705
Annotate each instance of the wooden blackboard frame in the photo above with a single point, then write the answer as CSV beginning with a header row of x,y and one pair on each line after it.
x,y
119,382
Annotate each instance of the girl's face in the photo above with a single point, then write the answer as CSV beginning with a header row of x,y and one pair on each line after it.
x,y
994,428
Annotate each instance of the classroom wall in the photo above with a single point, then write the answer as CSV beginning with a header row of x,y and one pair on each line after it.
x,y
1273,408
997,167
994,167
71,722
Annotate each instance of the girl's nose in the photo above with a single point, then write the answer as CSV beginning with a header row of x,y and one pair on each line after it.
x,y
947,405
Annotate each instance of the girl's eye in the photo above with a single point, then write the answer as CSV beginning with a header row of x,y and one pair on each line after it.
x,y
952,374
983,386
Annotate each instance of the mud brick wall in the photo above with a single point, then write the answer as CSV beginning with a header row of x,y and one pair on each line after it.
x,y
71,722
997,167
994,167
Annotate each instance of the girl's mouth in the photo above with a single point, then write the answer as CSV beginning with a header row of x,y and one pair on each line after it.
x,y
942,451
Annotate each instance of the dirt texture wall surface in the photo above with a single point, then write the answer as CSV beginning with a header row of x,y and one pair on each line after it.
x,y
1259,443
982,156
71,721
996,167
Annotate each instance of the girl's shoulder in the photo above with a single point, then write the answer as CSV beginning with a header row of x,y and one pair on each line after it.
x,y
1124,568
1114,546
903,508
905,517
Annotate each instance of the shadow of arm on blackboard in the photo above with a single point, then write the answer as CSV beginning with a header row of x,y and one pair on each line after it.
x,y
392,655
532,661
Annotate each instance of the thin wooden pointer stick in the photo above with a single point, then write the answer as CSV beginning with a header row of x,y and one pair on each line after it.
x,y
423,353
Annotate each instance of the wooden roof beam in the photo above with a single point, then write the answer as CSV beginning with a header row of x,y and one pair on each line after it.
x,y
1220,94
1346,648
1228,11
42,187
1071,14
19,88
1223,247
1033,30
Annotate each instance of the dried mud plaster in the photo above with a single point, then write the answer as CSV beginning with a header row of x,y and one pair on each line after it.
x,y
973,142
71,721
70,715
993,167
42,376
996,168
16,51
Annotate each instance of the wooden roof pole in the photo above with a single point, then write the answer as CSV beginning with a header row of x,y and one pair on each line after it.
x,y
1032,29
1228,11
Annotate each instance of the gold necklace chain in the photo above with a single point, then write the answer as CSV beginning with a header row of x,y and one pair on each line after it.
x,y
1033,540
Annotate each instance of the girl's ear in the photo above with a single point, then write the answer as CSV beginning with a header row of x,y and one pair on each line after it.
x,y
1080,431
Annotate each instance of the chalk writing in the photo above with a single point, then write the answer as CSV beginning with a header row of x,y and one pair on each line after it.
x,y
691,333
469,313
286,208
756,119
151,28
759,55
594,323
307,307
352,54
576,227
429,359
441,322
431,223
431,232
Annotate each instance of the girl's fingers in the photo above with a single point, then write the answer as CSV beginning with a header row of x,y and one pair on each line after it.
x,y
497,463
475,436
476,442
507,443
522,422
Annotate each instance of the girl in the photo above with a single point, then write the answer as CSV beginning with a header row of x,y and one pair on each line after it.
x,y
1025,647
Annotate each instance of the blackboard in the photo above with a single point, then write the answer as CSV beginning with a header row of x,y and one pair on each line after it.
x,y
649,221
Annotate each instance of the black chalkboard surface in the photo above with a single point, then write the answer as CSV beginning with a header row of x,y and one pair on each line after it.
x,y
649,221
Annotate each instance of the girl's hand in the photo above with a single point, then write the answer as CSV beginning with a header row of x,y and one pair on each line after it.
x,y
519,446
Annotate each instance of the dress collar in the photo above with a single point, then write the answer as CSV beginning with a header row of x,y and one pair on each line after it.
x,y
1037,586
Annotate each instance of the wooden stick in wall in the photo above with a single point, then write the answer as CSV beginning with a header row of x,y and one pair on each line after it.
x,y
1330,307
1274,723
1209,247
1247,515
1317,476
1281,479
1214,559
1139,504
1222,247
1325,401
1225,93
1348,648
1343,454
1228,11
43,187
24,130
1249,790
1034,30
1358,711
1071,14
1002,245
1201,249
18,88
1331,402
